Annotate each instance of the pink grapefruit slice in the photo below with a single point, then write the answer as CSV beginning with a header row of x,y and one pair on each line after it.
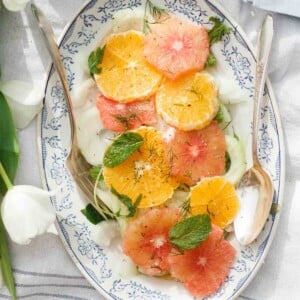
x,y
196,154
146,239
120,117
175,46
203,269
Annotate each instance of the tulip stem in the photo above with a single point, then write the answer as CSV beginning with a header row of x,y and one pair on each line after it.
x,y
5,177
5,264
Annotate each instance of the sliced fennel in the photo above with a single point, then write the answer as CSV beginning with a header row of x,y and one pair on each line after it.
x,y
237,156
226,123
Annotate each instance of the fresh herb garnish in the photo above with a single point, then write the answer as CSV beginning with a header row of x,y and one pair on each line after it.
x,y
191,232
121,148
95,58
93,215
125,120
215,35
211,61
155,11
128,202
94,172
219,116
227,161
218,31
185,208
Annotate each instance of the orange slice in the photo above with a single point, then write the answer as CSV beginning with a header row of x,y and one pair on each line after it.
x,y
217,197
144,173
189,102
126,75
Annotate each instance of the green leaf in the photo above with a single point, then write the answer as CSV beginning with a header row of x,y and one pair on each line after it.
x,y
191,232
93,215
121,148
219,116
126,201
5,262
94,172
95,59
218,31
9,149
227,161
211,61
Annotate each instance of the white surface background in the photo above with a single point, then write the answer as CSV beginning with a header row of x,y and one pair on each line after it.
x,y
43,269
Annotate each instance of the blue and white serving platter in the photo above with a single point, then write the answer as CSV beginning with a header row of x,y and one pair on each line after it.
x,y
101,265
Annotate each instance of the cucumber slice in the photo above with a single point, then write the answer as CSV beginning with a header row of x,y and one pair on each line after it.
x,y
238,162
225,123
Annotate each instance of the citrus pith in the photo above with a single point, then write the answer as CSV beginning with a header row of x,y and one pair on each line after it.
x,y
144,173
195,154
189,102
126,75
205,268
119,117
146,239
215,196
176,46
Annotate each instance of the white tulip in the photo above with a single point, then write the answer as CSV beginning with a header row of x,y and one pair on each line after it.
x,y
15,5
26,212
24,100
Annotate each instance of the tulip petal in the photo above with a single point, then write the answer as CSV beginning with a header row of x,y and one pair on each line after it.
x,y
26,213
24,100
15,5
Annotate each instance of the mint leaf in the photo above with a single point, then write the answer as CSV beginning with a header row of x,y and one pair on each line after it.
x,y
127,202
218,31
191,232
93,215
211,60
121,148
95,59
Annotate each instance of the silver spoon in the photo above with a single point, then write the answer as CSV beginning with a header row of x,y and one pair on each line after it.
x,y
256,184
76,163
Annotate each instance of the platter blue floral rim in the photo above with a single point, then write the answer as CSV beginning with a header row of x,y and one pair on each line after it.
x,y
92,260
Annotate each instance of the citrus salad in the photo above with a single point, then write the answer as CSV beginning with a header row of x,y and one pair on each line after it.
x,y
169,170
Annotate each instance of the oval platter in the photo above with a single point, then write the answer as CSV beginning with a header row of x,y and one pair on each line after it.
x,y
100,265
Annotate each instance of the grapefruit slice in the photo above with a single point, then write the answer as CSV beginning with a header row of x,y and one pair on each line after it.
x,y
189,102
126,75
145,173
146,239
203,269
196,154
120,117
175,46
217,197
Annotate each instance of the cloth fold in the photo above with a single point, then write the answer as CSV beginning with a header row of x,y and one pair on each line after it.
x,y
290,7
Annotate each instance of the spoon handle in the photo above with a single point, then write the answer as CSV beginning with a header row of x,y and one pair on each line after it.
x,y
263,53
52,47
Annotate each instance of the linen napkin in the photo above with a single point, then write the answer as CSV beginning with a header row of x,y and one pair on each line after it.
x,y
288,7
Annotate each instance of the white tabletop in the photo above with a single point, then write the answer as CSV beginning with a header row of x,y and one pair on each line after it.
x,y
22,57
